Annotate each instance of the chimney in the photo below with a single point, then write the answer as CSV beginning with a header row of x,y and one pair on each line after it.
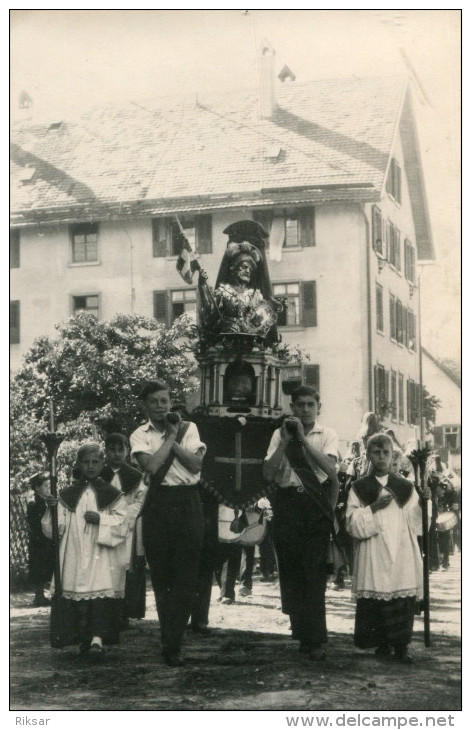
x,y
267,80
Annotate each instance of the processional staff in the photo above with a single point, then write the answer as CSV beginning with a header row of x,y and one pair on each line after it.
x,y
52,441
418,458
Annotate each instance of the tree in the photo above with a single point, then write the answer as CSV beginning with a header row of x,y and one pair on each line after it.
x,y
430,405
93,371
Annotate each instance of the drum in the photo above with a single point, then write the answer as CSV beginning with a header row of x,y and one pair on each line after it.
x,y
251,535
446,521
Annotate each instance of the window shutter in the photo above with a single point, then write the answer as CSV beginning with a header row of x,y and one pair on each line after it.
x,y
392,316
159,237
309,303
311,376
379,308
205,234
14,322
161,306
377,231
376,388
306,226
397,249
386,397
412,264
417,402
14,248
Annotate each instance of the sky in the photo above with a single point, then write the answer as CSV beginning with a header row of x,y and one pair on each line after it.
x,y
68,60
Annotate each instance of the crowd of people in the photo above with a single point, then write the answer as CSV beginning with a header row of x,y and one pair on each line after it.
x,y
358,517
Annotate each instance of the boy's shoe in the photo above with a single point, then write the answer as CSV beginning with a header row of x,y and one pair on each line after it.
x,y
173,659
268,578
41,601
227,601
402,656
383,650
244,591
96,653
201,628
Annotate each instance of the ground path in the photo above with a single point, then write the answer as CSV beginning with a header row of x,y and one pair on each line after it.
x,y
248,663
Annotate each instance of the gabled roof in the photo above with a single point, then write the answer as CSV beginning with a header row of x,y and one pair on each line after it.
x,y
334,137
450,371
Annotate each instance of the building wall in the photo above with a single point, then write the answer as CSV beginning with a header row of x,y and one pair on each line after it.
x,y
442,386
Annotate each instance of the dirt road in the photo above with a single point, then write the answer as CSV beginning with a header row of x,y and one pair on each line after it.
x,y
248,663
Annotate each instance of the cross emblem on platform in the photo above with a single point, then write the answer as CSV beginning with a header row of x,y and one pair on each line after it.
x,y
238,461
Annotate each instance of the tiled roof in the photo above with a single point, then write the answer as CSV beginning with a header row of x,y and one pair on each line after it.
x,y
330,139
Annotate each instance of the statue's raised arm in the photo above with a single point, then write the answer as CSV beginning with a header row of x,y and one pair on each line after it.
x,y
242,300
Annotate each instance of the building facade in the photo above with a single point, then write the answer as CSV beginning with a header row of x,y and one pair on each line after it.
x,y
332,169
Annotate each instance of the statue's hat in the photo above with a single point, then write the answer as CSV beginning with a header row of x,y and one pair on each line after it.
x,y
248,230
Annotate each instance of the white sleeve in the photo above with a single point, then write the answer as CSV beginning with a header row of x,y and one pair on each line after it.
x,y
113,527
135,507
360,521
274,443
330,446
413,512
191,441
140,443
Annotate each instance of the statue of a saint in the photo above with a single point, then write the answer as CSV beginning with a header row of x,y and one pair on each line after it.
x,y
242,300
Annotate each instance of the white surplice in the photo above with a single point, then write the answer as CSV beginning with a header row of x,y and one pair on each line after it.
x,y
87,551
121,556
387,560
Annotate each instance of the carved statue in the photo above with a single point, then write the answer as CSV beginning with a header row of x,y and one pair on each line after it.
x,y
242,300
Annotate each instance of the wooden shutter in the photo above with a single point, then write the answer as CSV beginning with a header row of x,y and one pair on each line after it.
x,y
204,236
397,249
400,392
306,226
309,303
160,230
311,376
392,316
14,322
377,230
394,393
379,308
412,263
386,397
161,306
376,388
407,259
14,248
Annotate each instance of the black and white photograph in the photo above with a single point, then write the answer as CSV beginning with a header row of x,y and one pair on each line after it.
x,y
235,367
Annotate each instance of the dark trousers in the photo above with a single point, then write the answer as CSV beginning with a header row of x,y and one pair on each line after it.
x,y
302,538
74,622
267,553
246,566
384,623
173,530
208,561
228,567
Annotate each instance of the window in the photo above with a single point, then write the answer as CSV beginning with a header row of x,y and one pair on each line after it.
x,y
290,315
413,404
311,376
393,183
452,437
381,383
296,225
394,394
401,323
166,237
14,248
379,308
377,231
84,242
14,322
411,330
300,303
183,300
86,303
409,261
394,248
400,393
168,305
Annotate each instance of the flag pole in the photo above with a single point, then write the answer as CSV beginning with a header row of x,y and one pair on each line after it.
x,y
52,441
198,268
419,458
